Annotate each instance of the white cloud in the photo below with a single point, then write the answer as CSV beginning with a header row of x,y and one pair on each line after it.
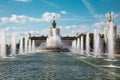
x,y
63,12
99,24
22,19
10,28
37,33
44,32
99,16
82,29
23,0
74,29
46,17
18,19
3,20
34,33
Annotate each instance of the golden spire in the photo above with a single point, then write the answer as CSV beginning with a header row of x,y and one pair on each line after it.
x,y
110,17
53,23
53,17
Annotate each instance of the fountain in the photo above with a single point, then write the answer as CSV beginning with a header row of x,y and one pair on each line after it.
x,y
82,46
3,45
33,45
53,42
87,45
21,46
53,39
74,46
97,45
111,41
13,45
110,66
78,45
111,37
26,45
29,46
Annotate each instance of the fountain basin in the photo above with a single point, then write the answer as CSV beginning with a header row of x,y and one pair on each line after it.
x,y
110,66
53,49
110,59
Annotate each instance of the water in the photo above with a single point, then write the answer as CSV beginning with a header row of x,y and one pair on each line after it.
x,y
26,45
110,66
74,46
82,46
97,45
3,45
78,45
87,45
33,45
56,66
29,47
54,39
111,41
21,46
13,44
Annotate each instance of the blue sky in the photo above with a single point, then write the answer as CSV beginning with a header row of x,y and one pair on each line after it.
x,y
72,16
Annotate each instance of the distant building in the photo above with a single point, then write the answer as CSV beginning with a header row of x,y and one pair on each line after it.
x,y
41,39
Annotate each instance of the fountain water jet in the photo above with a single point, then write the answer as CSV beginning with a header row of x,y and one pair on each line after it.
x,y
33,45
3,45
78,46
87,45
13,45
54,40
26,45
82,46
97,45
110,66
74,46
21,46
29,49
111,41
